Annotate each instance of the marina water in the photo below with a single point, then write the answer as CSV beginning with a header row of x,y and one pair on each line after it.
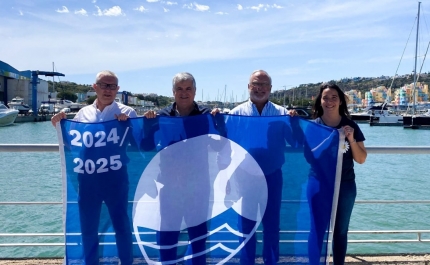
x,y
36,177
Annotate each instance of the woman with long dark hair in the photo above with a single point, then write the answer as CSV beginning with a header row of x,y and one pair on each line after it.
x,y
330,109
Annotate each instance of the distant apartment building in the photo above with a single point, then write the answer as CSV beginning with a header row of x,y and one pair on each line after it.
x,y
400,97
354,97
149,104
404,96
82,97
379,94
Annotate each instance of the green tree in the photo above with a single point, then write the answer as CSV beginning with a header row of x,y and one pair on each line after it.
x,y
91,99
164,101
159,101
67,95
277,101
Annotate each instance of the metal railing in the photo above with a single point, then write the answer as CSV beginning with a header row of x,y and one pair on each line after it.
x,y
417,150
417,239
371,150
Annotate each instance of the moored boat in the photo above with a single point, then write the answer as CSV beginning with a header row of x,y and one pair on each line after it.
x,y
7,116
378,115
389,119
375,110
18,104
417,121
414,120
226,110
64,103
302,112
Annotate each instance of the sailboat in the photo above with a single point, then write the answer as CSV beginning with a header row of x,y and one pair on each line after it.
x,y
416,121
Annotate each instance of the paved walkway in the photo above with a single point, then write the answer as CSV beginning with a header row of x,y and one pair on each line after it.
x,y
423,259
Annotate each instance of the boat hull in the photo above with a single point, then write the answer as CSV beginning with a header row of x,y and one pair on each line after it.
x,y
23,109
8,119
382,118
360,117
416,122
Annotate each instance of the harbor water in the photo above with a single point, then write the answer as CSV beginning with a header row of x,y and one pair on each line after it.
x,y
36,177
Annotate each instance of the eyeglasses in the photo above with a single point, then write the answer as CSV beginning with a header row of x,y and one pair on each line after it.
x,y
257,85
107,86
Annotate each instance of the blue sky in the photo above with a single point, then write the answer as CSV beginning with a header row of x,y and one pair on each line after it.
x,y
220,42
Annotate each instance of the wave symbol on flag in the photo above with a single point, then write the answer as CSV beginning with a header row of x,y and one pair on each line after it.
x,y
188,185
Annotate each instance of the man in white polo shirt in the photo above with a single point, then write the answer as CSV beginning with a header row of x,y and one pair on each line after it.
x,y
110,187
104,107
259,88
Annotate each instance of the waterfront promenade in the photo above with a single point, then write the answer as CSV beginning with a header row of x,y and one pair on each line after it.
x,y
415,259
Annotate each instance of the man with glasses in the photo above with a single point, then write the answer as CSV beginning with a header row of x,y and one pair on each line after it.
x,y
271,159
104,107
112,188
259,88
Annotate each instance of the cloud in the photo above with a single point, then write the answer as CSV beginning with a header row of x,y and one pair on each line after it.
x,y
151,1
19,11
304,37
82,12
171,3
99,12
166,10
265,7
196,7
201,7
113,11
141,9
94,1
63,10
221,13
260,6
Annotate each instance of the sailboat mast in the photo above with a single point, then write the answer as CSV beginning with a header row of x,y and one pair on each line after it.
x,y
415,67
53,70
225,95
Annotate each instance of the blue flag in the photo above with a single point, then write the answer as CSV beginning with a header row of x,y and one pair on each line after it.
x,y
196,190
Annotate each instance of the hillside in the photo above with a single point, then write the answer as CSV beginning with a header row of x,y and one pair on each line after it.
x,y
301,95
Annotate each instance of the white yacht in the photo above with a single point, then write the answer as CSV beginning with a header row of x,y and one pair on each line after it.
x,y
64,103
18,104
378,115
225,110
7,116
